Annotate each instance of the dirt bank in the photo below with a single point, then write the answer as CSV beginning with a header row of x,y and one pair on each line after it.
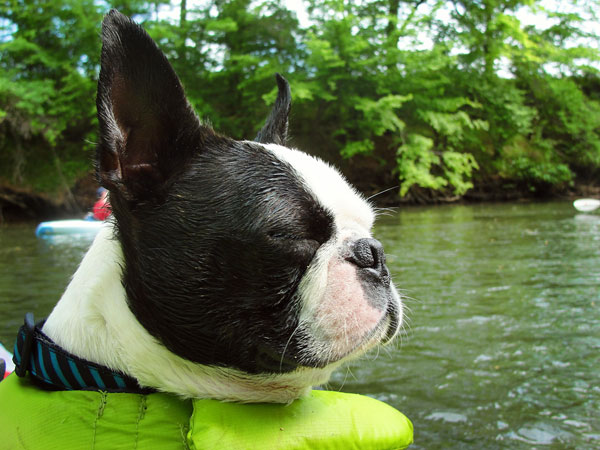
x,y
19,204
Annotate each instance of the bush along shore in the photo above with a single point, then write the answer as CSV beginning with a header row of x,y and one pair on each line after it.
x,y
416,102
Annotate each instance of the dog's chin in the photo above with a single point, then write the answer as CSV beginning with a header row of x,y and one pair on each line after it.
x,y
382,334
344,346
288,385
323,356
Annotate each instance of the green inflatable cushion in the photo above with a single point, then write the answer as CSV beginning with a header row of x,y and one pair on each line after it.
x,y
31,418
324,420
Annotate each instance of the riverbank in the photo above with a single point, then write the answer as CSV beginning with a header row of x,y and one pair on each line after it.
x,y
19,204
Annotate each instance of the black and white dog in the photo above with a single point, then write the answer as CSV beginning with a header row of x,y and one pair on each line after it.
x,y
235,270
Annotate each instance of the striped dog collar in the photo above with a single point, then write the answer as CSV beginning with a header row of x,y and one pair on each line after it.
x,y
58,369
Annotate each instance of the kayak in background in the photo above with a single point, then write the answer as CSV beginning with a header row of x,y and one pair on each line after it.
x,y
74,226
586,204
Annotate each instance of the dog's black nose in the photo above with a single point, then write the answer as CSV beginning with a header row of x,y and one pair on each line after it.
x,y
367,253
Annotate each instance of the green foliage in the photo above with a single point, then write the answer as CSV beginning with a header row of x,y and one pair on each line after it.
x,y
378,118
436,95
533,164
46,84
382,113
458,169
415,162
571,122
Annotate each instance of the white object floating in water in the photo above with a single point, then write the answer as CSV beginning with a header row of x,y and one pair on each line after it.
x,y
7,357
68,227
586,204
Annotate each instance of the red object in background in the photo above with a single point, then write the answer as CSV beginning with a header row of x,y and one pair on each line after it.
x,y
102,208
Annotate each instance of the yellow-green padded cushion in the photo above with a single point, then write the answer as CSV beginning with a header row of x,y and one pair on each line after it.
x,y
323,420
31,418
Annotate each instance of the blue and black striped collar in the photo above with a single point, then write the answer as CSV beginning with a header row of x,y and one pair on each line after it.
x,y
58,369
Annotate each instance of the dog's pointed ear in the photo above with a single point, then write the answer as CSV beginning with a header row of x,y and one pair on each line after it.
x,y
276,127
148,130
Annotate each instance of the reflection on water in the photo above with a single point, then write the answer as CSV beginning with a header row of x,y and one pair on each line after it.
x,y
502,342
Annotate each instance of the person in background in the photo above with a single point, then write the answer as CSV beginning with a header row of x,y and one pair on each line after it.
x,y
102,207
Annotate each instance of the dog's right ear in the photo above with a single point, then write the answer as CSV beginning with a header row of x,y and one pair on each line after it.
x,y
148,130
276,127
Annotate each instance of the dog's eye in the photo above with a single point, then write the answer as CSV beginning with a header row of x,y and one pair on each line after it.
x,y
279,235
296,244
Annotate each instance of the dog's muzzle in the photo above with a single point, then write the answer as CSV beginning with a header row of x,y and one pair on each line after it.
x,y
368,255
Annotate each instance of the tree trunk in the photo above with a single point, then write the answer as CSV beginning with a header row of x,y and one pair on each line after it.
x,y
183,30
488,41
183,15
392,18
18,159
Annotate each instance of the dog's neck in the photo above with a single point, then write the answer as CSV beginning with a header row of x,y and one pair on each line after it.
x,y
93,321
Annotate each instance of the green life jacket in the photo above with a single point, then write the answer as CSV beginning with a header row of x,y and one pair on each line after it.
x,y
32,418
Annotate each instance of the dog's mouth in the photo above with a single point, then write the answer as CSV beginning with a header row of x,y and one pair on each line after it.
x,y
394,317
269,360
323,354
299,355
385,332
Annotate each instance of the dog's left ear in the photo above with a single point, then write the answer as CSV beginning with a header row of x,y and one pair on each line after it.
x,y
276,127
148,130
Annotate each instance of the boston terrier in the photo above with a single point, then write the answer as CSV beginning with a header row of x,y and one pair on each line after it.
x,y
235,270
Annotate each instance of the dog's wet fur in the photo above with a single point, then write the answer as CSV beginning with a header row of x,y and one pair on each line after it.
x,y
236,270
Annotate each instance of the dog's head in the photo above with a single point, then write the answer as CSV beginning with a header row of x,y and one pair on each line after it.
x,y
238,254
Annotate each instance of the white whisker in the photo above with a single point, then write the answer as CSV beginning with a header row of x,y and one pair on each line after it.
x,y
287,344
382,192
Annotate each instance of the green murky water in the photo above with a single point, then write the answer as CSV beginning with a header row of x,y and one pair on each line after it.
x,y
502,344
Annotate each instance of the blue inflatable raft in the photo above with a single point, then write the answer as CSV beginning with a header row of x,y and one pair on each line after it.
x,y
75,226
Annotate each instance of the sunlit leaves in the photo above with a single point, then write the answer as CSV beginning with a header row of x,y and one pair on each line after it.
x,y
382,113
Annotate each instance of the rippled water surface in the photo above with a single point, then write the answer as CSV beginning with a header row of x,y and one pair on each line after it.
x,y
502,345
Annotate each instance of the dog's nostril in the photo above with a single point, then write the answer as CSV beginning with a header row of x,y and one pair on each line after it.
x,y
367,253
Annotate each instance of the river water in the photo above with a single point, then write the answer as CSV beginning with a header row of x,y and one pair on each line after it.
x,y
502,343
